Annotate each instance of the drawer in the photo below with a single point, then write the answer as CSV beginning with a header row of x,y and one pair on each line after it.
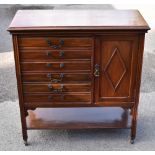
x,y
55,42
57,98
56,88
35,55
56,77
56,66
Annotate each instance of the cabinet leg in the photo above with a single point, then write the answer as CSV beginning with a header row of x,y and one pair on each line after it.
x,y
25,137
25,143
133,125
24,127
132,141
133,132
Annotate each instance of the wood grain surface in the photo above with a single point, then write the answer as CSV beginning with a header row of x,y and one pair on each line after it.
x,y
77,19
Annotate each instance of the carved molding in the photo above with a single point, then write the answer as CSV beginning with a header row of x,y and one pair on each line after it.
x,y
115,52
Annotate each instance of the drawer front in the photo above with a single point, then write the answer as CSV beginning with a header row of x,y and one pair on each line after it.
x,y
56,77
35,55
56,88
55,42
56,66
56,69
57,98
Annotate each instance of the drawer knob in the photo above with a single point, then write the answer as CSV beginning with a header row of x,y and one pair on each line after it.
x,y
61,53
54,80
50,87
97,70
61,43
48,64
49,75
49,97
48,53
62,65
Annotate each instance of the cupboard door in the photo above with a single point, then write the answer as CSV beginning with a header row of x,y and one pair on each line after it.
x,y
115,58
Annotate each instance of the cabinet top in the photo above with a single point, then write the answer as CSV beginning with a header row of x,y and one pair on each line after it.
x,y
78,20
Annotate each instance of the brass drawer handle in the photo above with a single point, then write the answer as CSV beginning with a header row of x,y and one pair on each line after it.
x,y
49,54
61,65
49,75
61,43
61,89
97,70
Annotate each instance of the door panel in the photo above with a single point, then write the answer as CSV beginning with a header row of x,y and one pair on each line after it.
x,y
116,56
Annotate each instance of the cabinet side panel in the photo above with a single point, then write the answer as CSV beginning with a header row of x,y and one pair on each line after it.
x,y
19,85
139,66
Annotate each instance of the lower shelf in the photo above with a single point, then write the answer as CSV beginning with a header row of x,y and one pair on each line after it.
x,y
78,118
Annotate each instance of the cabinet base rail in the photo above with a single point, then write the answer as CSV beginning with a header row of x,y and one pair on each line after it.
x,y
78,118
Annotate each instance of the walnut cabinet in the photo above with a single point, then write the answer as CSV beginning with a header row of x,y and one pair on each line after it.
x,y
75,74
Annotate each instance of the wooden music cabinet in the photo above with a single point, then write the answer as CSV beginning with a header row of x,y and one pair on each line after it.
x,y
78,69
